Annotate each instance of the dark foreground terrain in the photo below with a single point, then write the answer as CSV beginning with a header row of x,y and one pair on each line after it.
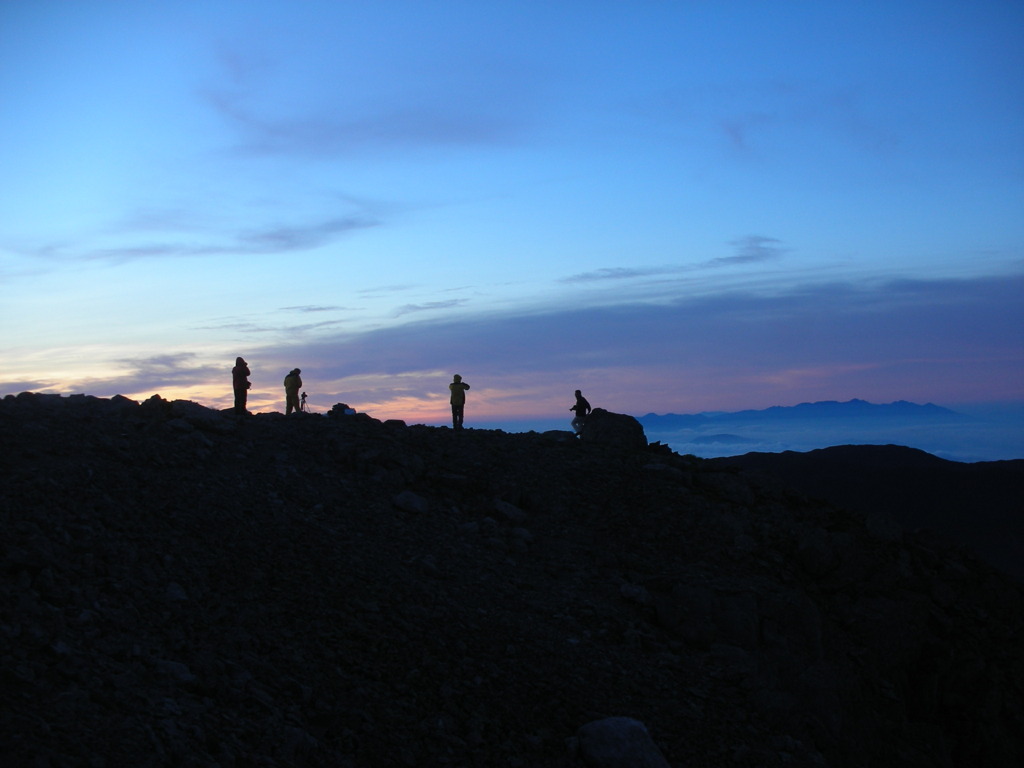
x,y
979,505
183,587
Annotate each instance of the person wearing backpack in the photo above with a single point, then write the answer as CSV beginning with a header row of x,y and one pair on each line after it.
x,y
458,400
241,384
292,385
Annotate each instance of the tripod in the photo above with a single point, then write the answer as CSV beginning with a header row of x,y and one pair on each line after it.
x,y
302,403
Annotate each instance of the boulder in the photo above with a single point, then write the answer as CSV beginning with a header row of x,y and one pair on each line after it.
x,y
408,501
617,429
617,742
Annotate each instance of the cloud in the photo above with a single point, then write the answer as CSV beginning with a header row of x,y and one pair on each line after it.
x,y
156,373
313,309
169,369
383,289
752,249
942,340
284,239
473,101
165,219
406,309
307,327
24,385
383,126
254,242
753,115
929,339
619,273
246,323
739,128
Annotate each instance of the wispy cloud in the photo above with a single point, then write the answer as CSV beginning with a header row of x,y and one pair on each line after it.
x,y
307,327
16,386
748,113
406,309
169,368
824,341
752,249
284,239
385,289
739,128
314,309
259,324
441,104
268,240
619,273
923,340
153,374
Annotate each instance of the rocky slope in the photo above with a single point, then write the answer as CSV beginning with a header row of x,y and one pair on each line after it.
x,y
979,505
182,587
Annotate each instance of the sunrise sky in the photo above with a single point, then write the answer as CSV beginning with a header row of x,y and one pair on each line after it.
x,y
673,206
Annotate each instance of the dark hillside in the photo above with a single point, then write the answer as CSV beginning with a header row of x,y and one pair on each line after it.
x,y
181,587
980,505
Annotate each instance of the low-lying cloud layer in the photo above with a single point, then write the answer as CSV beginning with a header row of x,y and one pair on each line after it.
x,y
949,340
952,340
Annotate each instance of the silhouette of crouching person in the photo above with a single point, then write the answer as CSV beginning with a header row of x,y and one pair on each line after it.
x,y
292,385
458,400
241,384
582,408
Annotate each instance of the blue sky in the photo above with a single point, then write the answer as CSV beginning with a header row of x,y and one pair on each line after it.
x,y
674,206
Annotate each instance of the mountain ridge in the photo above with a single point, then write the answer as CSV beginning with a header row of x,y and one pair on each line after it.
x,y
823,409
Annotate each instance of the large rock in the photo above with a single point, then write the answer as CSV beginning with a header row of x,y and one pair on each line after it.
x,y
610,428
617,742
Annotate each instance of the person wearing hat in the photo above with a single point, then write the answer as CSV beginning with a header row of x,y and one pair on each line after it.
x,y
292,385
458,399
240,382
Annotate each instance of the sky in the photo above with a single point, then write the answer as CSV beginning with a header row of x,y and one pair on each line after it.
x,y
672,206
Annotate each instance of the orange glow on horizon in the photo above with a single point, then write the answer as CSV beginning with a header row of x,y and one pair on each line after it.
x,y
485,404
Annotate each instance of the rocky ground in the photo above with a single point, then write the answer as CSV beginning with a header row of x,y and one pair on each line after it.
x,y
182,587
979,505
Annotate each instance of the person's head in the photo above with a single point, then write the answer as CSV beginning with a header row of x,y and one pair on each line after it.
x,y
239,361
297,371
578,393
457,378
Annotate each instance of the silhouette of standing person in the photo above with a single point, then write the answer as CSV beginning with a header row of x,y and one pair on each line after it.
x,y
582,408
240,383
292,385
458,399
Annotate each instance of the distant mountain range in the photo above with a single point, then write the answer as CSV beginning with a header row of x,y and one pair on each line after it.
x,y
932,428
828,410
